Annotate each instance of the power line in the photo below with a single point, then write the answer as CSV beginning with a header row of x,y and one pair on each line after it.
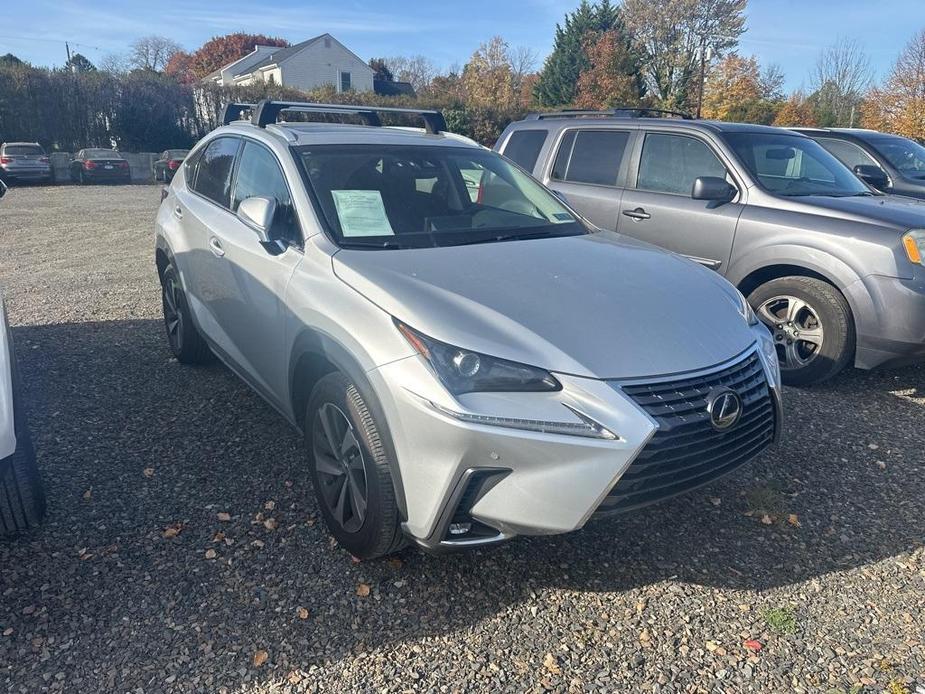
x,y
59,41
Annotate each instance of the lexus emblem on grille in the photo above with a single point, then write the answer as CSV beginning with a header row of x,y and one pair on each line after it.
x,y
725,408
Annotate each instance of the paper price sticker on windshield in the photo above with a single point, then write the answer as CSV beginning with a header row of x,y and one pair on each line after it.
x,y
361,213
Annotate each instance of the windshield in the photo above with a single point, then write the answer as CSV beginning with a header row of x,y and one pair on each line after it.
x,y
101,153
906,155
792,165
397,196
20,150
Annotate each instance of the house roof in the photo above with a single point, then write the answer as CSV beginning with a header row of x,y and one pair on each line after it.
x,y
282,54
392,88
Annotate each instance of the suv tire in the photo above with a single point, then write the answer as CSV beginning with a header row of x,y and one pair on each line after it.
x,y
811,324
22,498
349,462
186,344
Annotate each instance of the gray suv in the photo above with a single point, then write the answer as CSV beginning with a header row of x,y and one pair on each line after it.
x,y
25,162
467,359
833,268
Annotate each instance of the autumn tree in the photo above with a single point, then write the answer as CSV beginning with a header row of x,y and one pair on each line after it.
x,y
79,63
671,36
899,106
152,52
381,70
180,68
418,70
558,81
488,79
841,77
736,89
796,111
612,77
221,50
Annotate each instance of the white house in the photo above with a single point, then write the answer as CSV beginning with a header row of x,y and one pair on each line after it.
x,y
307,65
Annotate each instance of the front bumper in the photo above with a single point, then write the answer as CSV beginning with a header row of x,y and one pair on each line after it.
x,y
504,482
891,326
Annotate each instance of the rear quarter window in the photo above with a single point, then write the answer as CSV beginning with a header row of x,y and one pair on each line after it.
x,y
523,147
590,156
22,150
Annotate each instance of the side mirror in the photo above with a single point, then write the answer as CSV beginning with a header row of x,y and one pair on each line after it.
x,y
873,176
713,188
2,189
258,214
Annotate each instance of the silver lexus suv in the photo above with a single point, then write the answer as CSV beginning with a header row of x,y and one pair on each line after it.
x,y
467,358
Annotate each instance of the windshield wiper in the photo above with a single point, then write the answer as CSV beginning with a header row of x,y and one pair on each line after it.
x,y
387,244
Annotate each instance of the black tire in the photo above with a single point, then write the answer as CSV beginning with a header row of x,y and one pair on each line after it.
x,y
22,497
377,532
823,316
185,342
81,179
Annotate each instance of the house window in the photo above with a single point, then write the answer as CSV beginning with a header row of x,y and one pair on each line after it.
x,y
345,85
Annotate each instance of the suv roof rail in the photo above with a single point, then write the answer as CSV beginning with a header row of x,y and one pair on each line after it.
x,y
232,112
267,111
619,112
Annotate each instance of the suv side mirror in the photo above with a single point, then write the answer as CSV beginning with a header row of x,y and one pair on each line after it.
x,y
713,188
873,176
258,214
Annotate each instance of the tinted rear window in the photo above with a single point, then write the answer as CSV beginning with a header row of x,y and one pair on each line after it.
x,y
22,149
523,147
213,179
591,156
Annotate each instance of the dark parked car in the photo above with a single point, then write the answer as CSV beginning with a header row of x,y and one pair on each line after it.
x,y
889,163
834,269
167,165
24,161
92,165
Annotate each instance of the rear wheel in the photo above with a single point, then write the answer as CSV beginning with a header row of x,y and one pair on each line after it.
x,y
187,345
811,324
350,470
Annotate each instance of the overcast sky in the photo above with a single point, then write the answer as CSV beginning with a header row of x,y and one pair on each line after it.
x,y
787,32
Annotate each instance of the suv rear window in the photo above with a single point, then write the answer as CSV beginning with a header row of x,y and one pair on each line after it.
x,y
590,156
523,147
20,150
213,179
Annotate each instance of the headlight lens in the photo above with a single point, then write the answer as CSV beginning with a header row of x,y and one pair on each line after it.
x,y
745,308
914,243
464,371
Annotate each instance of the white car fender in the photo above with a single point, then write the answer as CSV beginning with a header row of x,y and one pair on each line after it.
x,y
7,430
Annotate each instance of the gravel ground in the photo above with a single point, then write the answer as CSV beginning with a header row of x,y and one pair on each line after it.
x,y
139,582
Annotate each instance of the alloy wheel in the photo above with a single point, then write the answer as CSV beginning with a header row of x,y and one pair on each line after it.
x,y
339,463
798,332
173,316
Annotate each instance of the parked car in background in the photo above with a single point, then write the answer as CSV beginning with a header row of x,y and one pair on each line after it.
x,y
169,162
22,162
22,500
889,163
93,165
466,365
835,270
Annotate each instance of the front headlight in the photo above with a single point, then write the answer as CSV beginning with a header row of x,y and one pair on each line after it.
x,y
914,243
464,371
745,308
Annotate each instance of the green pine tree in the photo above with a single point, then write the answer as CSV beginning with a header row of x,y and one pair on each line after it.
x,y
558,81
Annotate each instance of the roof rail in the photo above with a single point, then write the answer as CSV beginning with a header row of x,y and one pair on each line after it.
x,y
232,112
619,112
266,112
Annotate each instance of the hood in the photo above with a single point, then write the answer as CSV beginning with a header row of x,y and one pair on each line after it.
x,y
902,212
599,305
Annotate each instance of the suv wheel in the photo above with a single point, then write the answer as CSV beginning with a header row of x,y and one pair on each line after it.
x,y
350,470
184,339
811,325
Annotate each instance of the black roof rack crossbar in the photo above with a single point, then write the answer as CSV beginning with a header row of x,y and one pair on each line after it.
x,y
267,112
624,112
232,112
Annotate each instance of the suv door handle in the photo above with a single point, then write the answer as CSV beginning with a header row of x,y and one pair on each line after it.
x,y
637,215
216,247
178,212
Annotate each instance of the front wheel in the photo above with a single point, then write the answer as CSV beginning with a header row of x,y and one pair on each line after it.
x,y
187,345
811,324
350,470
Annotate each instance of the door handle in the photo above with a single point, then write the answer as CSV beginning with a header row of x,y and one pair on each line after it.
x,y
178,212
216,247
637,215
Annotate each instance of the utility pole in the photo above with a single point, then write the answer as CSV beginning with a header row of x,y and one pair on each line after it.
x,y
67,47
706,53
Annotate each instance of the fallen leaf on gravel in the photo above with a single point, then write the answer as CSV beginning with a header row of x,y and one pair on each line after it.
x,y
715,500
218,537
551,664
794,520
270,524
294,677
302,612
753,645
766,519
260,657
712,646
288,484
148,472
8,631
310,522
645,638
396,563
257,543
355,560
363,590
270,505
744,608
211,554
173,530
88,494
224,517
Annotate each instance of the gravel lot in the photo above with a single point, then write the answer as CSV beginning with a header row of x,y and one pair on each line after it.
x,y
136,584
